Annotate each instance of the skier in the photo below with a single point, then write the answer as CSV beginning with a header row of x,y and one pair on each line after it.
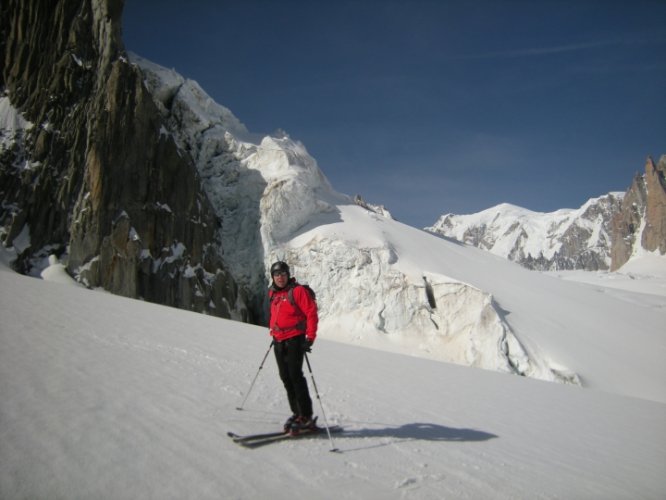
x,y
293,325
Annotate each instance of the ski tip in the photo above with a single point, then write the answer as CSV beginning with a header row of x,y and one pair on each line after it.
x,y
335,450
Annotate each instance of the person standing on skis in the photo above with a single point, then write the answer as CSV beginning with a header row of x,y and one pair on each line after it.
x,y
293,325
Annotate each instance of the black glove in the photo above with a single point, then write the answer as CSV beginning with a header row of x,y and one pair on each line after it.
x,y
307,346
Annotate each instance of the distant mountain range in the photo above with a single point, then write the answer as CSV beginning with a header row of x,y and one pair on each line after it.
x,y
603,234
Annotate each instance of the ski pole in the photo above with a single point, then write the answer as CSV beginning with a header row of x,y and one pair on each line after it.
x,y
321,405
240,408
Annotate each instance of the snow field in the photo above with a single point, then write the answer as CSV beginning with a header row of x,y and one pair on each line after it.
x,y
105,397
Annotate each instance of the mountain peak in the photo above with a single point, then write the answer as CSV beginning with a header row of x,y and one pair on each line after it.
x,y
563,239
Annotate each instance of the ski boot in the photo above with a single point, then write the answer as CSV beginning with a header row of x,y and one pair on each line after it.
x,y
302,425
287,425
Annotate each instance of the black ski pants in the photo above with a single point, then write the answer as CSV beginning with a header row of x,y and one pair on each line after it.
x,y
289,356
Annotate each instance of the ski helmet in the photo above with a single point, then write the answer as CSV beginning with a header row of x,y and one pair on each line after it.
x,y
279,267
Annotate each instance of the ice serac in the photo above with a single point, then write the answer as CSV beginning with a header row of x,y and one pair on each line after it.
x,y
263,189
371,300
86,170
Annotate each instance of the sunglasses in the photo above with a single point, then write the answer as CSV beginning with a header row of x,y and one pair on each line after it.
x,y
280,273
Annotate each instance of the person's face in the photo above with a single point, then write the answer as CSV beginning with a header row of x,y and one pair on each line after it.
x,y
280,278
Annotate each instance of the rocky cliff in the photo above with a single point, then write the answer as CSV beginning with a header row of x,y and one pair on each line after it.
x,y
640,222
87,171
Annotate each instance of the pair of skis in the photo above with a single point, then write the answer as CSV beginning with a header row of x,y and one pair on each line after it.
x,y
257,440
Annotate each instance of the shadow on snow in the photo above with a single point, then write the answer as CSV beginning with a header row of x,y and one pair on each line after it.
x,y
415,432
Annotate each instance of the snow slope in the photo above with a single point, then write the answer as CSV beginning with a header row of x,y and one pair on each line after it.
x,y
109,398
644,274
383,284
613,339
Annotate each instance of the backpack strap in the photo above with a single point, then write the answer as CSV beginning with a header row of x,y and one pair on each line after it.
x,y
290,296
290,293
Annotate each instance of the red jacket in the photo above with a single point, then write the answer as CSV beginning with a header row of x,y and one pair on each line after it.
x,y
287,320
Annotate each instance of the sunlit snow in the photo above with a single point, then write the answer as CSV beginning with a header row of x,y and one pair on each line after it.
x,y
110,398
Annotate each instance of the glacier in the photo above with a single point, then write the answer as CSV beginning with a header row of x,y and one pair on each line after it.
x,y
386,285
274,203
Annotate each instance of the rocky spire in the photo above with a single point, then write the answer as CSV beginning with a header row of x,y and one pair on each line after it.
x,y
641,220
654,235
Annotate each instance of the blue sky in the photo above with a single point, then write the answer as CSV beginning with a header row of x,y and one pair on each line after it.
x,y
430,107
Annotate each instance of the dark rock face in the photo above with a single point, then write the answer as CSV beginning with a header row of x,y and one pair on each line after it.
x,y
96,177
627,223
654,235
641,220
